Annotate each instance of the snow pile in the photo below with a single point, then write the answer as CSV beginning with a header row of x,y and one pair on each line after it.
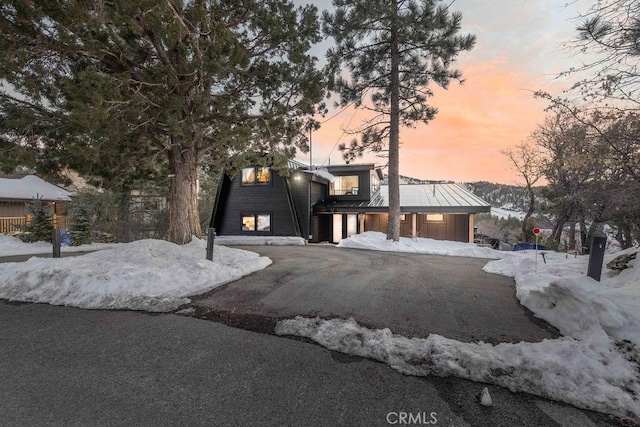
x,y
260,240
562,294
10,245
150,275
592,380
374,240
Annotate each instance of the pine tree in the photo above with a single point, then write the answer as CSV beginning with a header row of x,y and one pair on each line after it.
x,y
392,49
79,219
40,226
122,90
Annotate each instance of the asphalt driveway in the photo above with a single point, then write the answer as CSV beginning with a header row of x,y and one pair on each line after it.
x,y
413,295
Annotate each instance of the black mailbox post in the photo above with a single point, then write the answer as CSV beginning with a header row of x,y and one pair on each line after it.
x,y
211,235
596,255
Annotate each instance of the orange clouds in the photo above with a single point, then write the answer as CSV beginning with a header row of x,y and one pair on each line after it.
x,y
491,111
517,52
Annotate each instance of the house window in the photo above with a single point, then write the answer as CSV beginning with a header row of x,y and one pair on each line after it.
x,y
403,217
256,222
345,186
375,181
435,218
256,175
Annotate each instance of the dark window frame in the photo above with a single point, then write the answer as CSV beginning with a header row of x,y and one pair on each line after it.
x,y
255,216
255,176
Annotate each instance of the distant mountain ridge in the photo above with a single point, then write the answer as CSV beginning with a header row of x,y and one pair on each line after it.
x,y
511,197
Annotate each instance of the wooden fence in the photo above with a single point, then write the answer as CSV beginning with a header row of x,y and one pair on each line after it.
x,y
10,225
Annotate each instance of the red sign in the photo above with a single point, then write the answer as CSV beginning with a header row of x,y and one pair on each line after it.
x,y
536,231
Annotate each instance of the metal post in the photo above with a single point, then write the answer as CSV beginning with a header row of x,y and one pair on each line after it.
x,y
596,255
56,241
211,235
536,272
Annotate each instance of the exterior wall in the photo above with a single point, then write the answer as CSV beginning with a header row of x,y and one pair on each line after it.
x,y
235,199
454,227
12,209
301,184
364,181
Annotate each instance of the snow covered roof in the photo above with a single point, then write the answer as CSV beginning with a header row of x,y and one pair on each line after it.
x,y
28,187
437,197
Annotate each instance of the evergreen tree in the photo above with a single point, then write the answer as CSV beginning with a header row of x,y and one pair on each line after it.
x,y
392,49
79,219
40,226
122,90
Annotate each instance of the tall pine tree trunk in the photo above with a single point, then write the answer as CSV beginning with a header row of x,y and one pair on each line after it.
x,y
184,219
532,207
393,230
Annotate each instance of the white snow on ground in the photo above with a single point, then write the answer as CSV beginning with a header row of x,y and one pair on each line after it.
x,y
565,369
150,275
506,213
374,240
595,366
10,245
259,240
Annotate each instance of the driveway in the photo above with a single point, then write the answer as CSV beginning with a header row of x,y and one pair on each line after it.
x,y
413,295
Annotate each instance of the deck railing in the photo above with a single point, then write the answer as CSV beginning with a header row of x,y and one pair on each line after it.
x,y
14,224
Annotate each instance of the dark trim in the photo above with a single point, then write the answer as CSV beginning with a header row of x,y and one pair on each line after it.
x,y
292,207
405,209
255,219
255,182
216,202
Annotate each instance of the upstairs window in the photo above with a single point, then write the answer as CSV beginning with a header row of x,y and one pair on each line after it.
x,y
256,175
347,185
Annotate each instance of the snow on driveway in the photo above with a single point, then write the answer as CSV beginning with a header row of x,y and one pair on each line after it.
x,y
374,240
150,275
596,365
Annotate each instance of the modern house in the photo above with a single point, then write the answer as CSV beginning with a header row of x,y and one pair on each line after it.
x,y
17,190
335,202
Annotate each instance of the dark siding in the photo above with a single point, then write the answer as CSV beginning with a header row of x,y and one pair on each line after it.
x,y
325,231
236,199
364,181
454,227
302,202
300,194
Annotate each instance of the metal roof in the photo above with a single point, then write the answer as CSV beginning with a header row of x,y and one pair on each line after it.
x,y
414,198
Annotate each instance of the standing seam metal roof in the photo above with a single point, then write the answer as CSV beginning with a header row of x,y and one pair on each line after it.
x,y
442,197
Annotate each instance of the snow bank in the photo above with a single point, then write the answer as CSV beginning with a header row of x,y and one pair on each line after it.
x,y
259,240
150,275
562,294
10,245
374,240
605,382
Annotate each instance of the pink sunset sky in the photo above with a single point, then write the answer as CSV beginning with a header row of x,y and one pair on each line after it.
x,y
518,51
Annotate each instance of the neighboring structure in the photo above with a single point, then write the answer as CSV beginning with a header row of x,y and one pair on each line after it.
x,y
335,202
17,190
